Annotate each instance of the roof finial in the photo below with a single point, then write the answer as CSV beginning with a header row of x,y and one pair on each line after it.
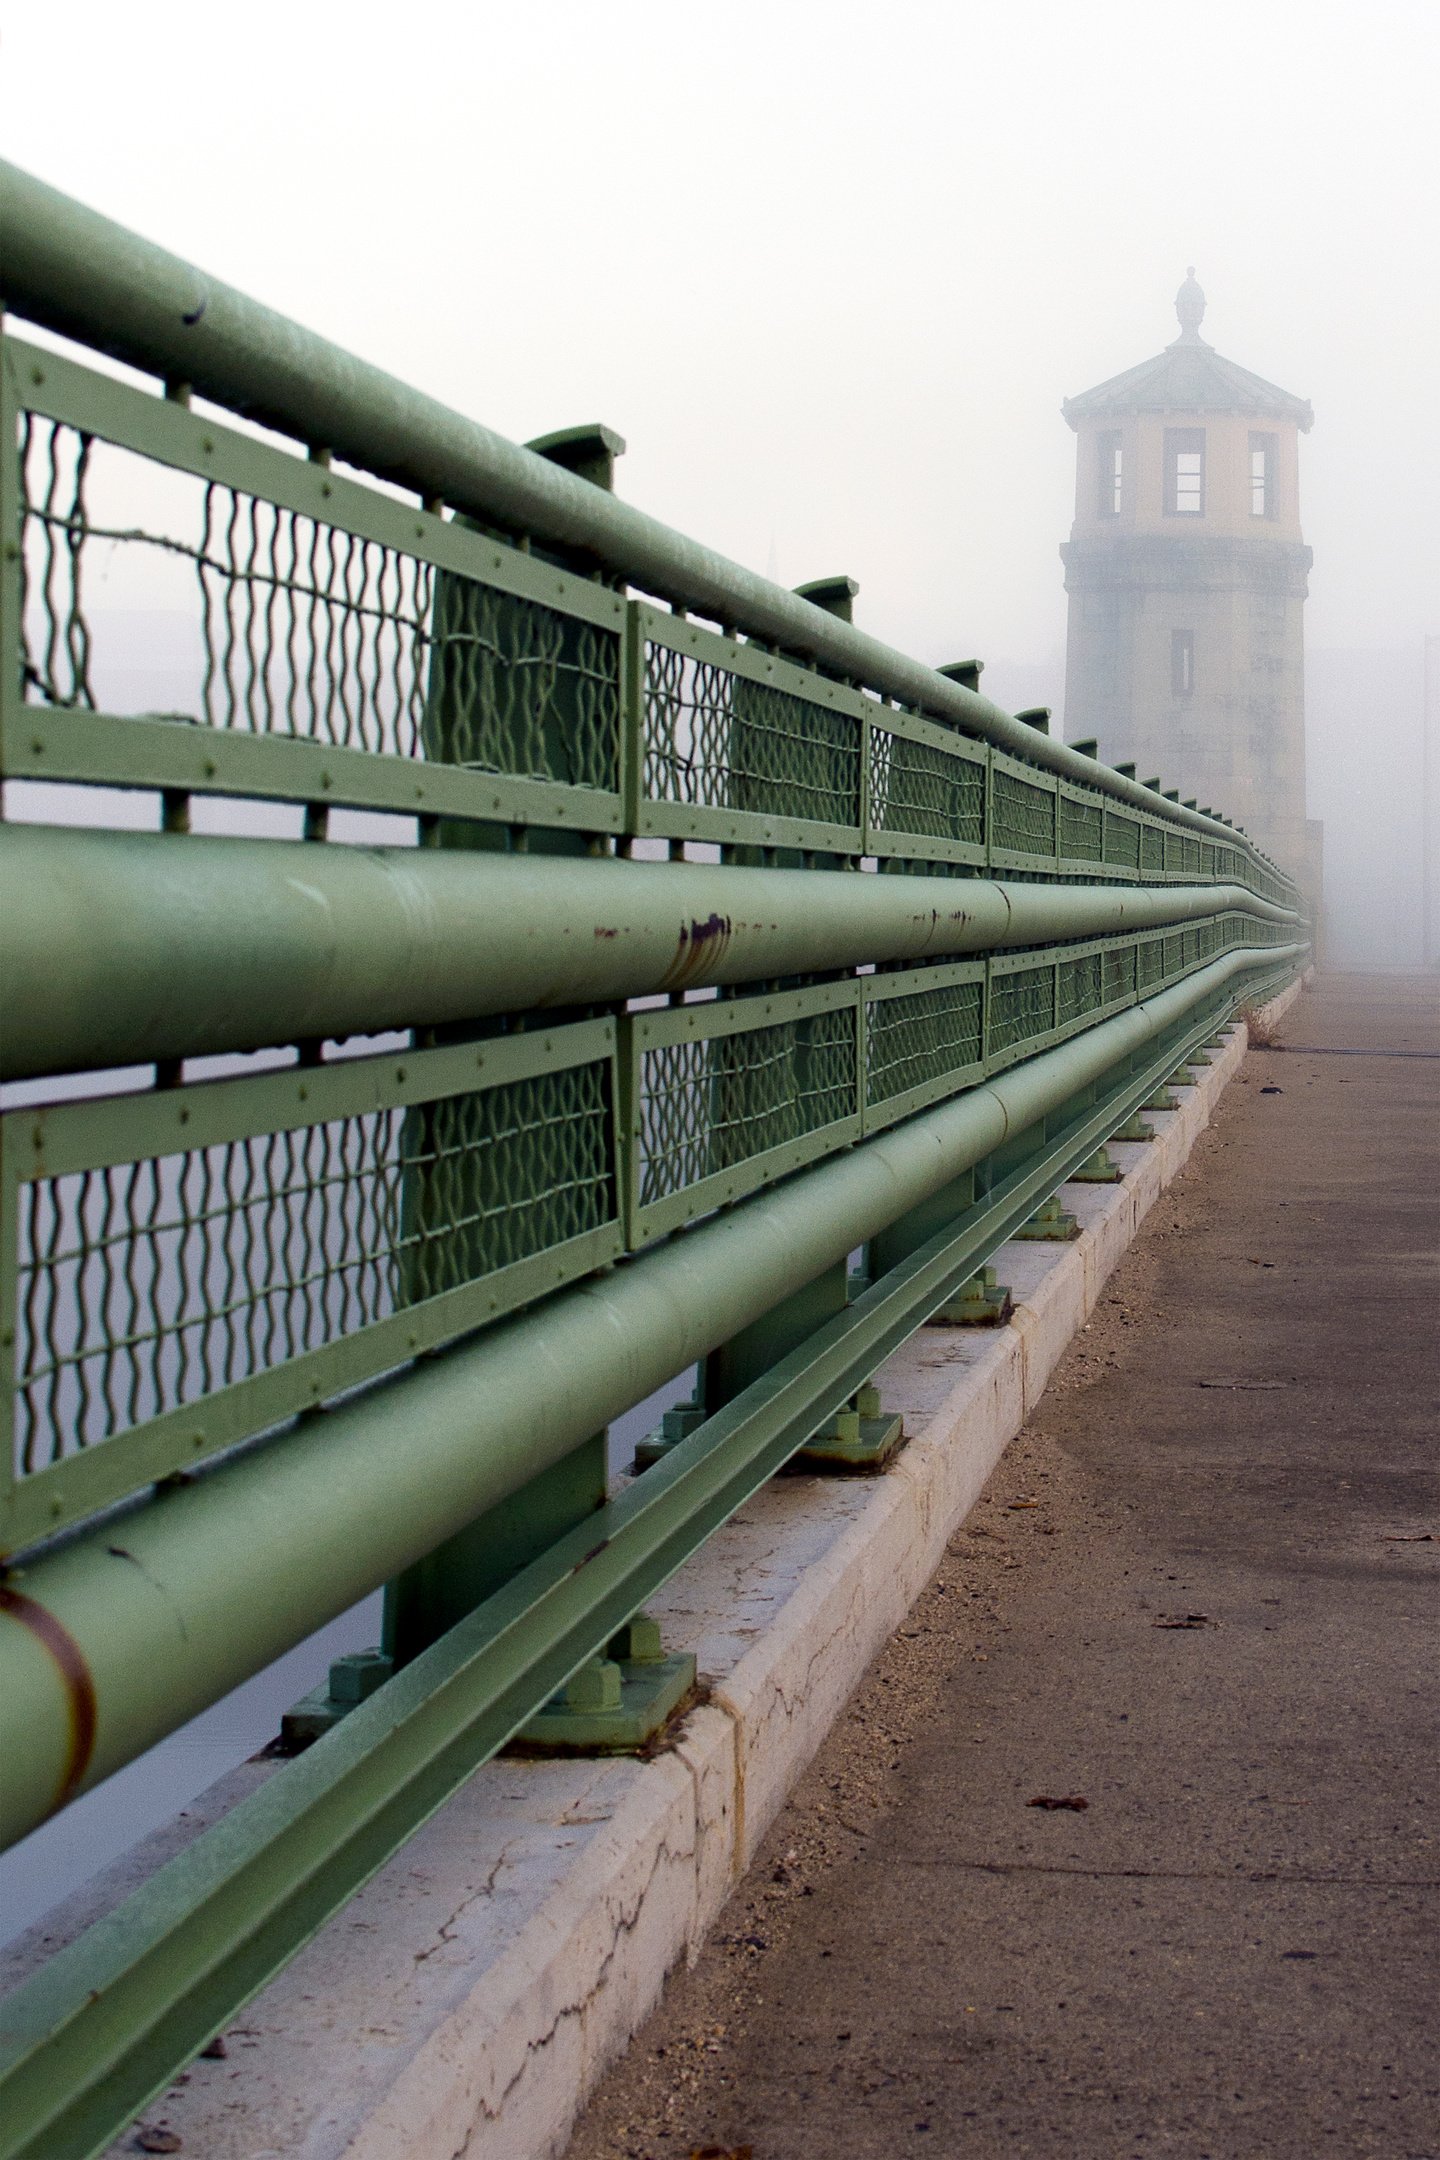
x,y
1190,307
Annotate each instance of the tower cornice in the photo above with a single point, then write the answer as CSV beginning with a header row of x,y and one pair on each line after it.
x,y
1158,562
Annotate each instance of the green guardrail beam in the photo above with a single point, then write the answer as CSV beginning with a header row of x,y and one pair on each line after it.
x,y
126,947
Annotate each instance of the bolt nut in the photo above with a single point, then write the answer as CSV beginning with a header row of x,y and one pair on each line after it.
x,y
595,1687
358,1674
638,1642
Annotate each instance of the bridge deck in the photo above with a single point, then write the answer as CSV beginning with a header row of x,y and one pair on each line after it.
x,y
1193,1596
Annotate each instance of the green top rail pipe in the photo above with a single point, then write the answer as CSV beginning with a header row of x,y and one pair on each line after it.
x,y
80,274
126,947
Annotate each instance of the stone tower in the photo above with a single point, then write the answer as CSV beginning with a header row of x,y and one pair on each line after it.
x,y
1187,578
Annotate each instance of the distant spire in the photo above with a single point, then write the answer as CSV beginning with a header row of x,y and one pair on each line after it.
x,y
1190,307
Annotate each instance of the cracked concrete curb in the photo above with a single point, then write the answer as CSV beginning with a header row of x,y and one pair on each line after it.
x,y
466,2001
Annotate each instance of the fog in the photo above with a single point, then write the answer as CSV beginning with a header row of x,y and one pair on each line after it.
x,y
831,270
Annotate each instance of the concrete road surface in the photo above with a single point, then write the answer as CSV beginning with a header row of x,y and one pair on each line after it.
x,y
1200,1599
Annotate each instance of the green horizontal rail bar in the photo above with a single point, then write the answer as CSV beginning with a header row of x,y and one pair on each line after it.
x,y
288,941
109,2021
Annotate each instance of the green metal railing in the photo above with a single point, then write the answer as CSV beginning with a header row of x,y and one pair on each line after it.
x,y
713,940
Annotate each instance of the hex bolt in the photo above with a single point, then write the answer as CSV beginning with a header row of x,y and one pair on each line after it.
x,y
595,1687
638,1642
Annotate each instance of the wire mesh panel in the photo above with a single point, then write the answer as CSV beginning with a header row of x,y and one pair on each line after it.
x,y
1149,964
1152,849
730,1095
737,745
1021,1008
184,1273
1122,839
1080,981
1082,828
521,689
927,792
310,637
1022,816
1257,930
1118,978
924,1037
1182,852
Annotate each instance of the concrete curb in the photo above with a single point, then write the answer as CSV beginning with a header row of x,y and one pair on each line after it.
x,y
467,1999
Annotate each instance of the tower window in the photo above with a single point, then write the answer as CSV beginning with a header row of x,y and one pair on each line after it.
x,y
1110,472
1185,472
1182,662
1262,475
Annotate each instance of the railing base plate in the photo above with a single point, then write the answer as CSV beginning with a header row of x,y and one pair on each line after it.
x,y
860,1445
983,1302
650,1693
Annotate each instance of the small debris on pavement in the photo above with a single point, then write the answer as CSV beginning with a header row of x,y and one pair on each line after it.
x,y
1076,1802
1185,1620
1271,1089
1407,1537
1251,1387
158,2141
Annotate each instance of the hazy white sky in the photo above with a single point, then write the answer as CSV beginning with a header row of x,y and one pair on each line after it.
x,y
830,268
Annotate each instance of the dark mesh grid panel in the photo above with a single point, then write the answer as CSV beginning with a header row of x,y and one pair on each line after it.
x,y
517,689
1022,1005
1122,840
1082,829
919,1038
1080,986
919,788
1117,975
717,740
710,1105
1182,852
1022,816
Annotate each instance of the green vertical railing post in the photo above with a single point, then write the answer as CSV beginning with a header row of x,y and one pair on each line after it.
x,y
430,1597
752,1353
912,1230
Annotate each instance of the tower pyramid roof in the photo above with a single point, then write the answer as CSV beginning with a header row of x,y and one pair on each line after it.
x,y
1189,376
